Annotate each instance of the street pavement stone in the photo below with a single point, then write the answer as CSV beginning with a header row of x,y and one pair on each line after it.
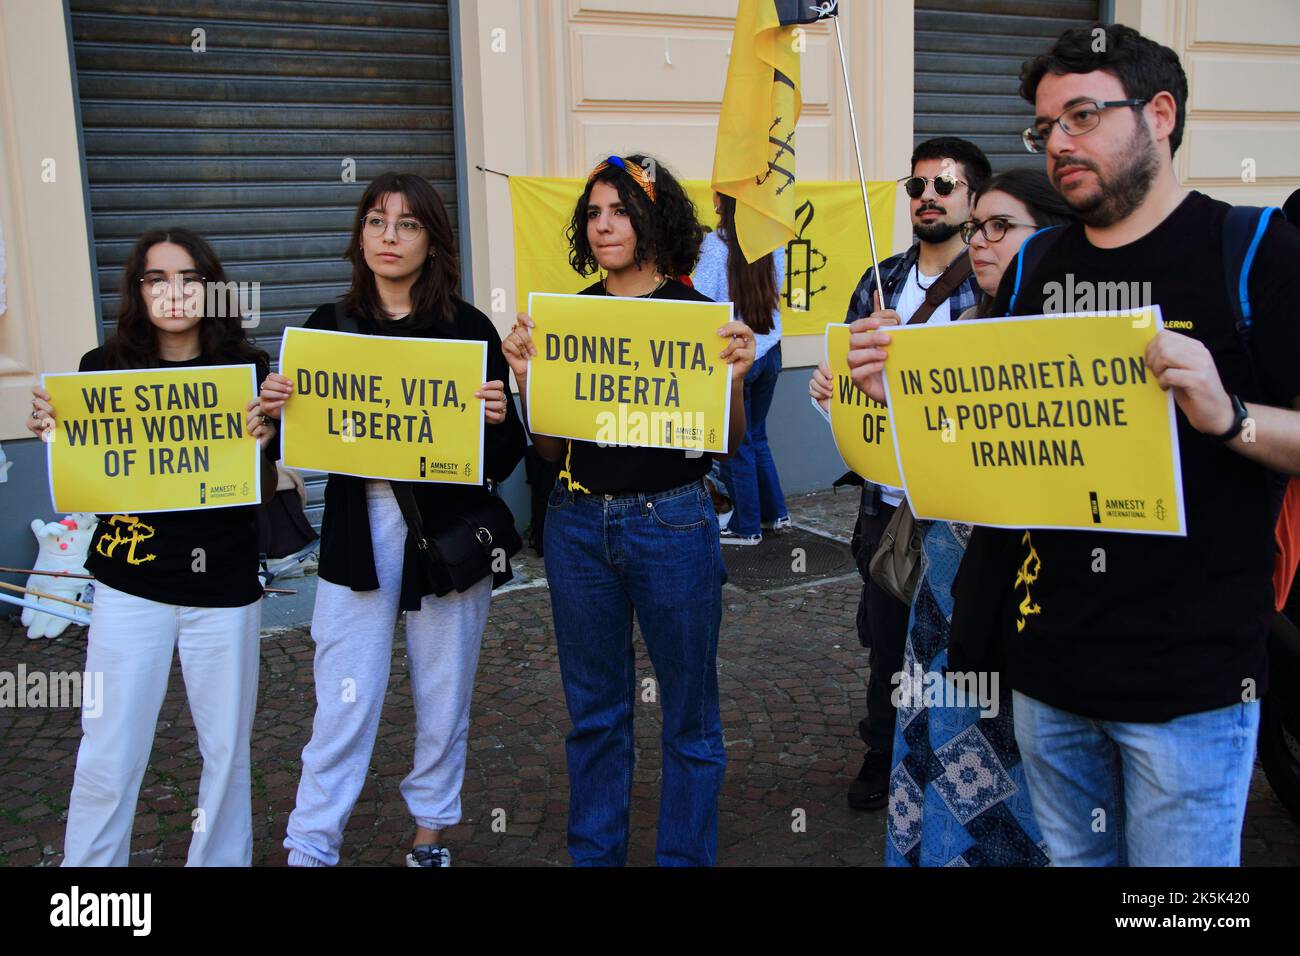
x,y
792,678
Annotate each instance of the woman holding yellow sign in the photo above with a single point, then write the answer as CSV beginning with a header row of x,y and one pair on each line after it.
x,y
632,531
170,580
404,279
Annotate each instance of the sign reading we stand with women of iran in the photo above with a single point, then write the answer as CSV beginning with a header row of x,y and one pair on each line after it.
x,y
384,407
864,435
640,372
1036,422
153,440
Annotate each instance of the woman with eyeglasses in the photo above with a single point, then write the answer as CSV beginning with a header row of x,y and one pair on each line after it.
x,y
631,532
169,581
957,792
405,273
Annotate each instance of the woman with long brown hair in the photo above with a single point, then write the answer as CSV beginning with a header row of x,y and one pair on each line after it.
x,y
405,275
724,275
188,581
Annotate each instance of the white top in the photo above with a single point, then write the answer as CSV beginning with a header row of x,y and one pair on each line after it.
x,y
710,278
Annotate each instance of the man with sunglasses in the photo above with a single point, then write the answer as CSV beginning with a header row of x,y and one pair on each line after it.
x,y
946,172
1138,664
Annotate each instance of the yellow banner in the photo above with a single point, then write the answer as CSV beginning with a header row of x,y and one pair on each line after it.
x,y
641,372
384,407
824,261
1038,422
754,157
863,433
149,440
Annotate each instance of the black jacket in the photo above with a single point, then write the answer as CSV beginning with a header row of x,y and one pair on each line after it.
x,y
346,552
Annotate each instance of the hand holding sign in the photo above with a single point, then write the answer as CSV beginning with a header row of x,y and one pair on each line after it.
x,y
276,390
493,395
1185,367
257,425
518,347
740,352
868,349
41,421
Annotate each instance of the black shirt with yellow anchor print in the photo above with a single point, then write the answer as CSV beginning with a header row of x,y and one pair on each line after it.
x,y
1138,627
202,558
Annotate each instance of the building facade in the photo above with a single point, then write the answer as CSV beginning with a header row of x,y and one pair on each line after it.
x,y
258,124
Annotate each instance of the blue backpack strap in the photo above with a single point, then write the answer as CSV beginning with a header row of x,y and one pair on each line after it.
x,y
1032,253
1243,228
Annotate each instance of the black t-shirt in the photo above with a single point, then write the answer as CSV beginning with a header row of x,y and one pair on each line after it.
x,y
1172,626
153,554
622,470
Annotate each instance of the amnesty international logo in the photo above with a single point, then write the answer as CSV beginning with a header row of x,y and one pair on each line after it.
x,y
135,533
802,260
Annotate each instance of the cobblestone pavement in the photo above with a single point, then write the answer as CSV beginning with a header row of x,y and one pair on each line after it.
x,y
793,683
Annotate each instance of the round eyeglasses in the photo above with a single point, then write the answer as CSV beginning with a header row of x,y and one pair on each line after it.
x,y
407,229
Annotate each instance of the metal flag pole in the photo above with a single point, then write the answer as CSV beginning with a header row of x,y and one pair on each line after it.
x,y
830,8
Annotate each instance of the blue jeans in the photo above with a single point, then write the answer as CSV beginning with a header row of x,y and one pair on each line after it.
x,y
750,473
655,555
1117,793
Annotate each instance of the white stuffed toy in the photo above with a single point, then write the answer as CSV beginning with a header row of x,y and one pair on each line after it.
x,y
64,545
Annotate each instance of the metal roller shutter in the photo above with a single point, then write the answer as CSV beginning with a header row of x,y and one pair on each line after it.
x,y
967,63
246,141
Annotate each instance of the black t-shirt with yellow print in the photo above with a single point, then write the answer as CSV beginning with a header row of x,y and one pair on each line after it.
x,y
202,558
1138,627
622,469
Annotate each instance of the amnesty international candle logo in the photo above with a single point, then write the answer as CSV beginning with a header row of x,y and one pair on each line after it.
x,y
639,372
861,427
383,406
153,440
1036,422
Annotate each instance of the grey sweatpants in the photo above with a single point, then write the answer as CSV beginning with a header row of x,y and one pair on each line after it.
x,y
353,633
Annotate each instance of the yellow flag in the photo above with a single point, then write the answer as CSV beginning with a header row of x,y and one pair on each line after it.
x,y
754,158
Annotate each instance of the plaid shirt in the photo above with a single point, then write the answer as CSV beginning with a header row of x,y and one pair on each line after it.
x,y
893,272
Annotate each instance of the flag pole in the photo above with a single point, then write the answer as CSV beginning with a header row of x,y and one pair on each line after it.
x,y
830,8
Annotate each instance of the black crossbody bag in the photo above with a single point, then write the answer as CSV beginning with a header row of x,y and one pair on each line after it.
x,y
471,545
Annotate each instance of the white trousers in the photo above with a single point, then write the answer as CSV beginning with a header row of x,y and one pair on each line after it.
x,y
353,632
131,643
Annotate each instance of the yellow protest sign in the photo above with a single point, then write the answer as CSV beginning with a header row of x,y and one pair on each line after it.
x,y
824,261
384,407
863,434
641,372
1036,422
153,440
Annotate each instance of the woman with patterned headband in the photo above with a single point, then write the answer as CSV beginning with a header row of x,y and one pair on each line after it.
x,y
632,531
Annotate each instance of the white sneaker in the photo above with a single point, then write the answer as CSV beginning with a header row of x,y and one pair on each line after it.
x,y
429,854
728,536
780,524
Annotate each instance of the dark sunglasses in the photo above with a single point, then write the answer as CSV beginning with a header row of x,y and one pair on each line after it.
x,y
943,185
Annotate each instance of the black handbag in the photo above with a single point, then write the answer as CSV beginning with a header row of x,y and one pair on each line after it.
x,y
470,546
